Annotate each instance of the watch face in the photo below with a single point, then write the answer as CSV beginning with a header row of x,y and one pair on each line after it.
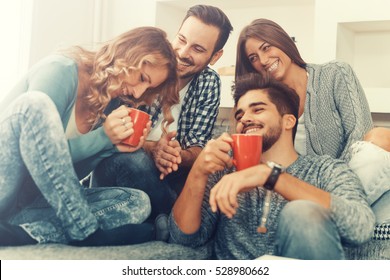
x,y
272,164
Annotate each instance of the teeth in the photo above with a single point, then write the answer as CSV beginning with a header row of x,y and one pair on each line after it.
x,y
251,130
273,66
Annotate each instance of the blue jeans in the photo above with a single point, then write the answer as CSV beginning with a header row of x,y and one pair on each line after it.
x,y
33,146
137,170
372,164
306,231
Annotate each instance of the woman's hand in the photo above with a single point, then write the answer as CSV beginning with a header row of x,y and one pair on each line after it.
x,y
118,125
130,149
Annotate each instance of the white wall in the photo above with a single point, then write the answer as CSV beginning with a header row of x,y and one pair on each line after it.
x,y
15,24
357,31
59,24
316,24
171,13
328,13
122,15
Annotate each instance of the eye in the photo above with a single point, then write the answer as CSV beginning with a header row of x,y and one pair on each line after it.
x,y
238,117
258,110
266,47
181,39
253,58
198,50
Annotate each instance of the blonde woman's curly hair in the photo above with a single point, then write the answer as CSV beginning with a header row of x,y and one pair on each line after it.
x,y
123,55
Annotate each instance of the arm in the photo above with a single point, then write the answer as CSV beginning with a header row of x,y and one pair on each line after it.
x,y
352,105
187,211
349,207
224,195
337,188
57,77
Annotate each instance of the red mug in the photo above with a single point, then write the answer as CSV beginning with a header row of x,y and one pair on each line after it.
x,y
247,149
139,119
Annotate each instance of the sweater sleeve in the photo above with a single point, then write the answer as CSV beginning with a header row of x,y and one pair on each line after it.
x,y
90,144
352,105
58,78
349,207
208,223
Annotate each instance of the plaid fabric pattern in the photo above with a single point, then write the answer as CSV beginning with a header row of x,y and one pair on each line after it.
x,y
199,110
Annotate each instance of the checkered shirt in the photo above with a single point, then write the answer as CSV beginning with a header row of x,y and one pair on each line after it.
x,y
199,110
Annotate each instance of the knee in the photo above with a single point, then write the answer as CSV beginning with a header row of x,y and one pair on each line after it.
x,y
379,136
306,231
35,101
138,161
141,201
303,218
118,206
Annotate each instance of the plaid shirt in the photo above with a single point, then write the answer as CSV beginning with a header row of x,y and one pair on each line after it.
x,y
199,110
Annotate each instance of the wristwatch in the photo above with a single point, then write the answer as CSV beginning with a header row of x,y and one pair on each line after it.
x,y
277,169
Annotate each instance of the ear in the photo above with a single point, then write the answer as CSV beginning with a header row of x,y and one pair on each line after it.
x,y
289,121
215,57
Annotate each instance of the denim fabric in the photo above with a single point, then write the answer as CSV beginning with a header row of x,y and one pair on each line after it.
x,y
136,170
112,207
306,231
33,143
381,209
372,164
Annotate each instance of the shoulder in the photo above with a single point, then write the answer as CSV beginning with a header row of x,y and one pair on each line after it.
x,y
323,165
55,66
208,75
330,68
58,62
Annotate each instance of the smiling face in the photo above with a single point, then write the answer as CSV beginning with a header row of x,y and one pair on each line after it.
x,y
264,56
256,114
194,44
135,82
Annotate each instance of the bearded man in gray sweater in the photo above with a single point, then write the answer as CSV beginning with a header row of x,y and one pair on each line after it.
x,y
304,207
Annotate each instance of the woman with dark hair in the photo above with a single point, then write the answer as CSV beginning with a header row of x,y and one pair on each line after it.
x,y
53,122
334,115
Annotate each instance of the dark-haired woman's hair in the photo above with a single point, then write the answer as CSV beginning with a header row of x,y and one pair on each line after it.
x,y
270,32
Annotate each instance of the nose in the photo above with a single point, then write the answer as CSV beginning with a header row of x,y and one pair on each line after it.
x,y
246,118
139,90
183,51
263,58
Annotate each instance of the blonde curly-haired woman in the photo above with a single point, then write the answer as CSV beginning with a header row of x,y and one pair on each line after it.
x,y
54,131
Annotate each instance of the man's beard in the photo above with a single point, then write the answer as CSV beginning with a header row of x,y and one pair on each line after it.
x,y
191,74
270,138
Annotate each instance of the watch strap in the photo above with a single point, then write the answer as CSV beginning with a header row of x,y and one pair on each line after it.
x,y
272,178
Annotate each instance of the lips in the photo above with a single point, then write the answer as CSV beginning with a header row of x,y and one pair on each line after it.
x,y
183,62
273,66
126,90
251,129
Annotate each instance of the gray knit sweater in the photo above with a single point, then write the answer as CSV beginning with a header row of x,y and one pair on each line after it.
x,y
237,238
336,110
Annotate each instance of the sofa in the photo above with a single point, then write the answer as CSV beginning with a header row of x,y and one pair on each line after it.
x,y
375,249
